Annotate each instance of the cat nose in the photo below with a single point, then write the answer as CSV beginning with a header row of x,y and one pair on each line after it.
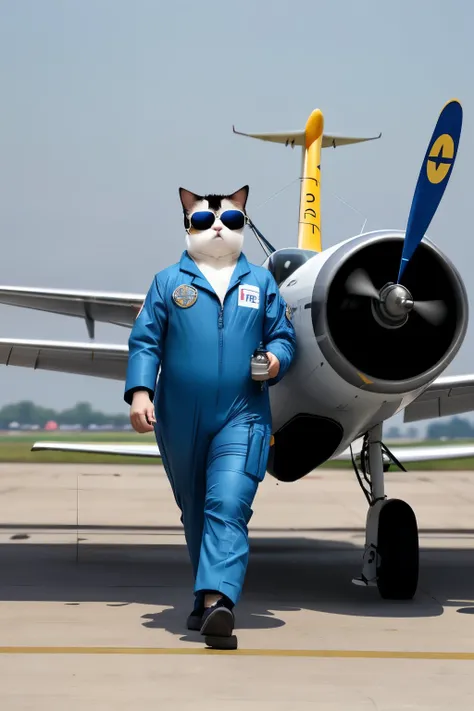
x,y
217,227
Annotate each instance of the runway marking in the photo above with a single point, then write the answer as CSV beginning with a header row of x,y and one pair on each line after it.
x,y
184,651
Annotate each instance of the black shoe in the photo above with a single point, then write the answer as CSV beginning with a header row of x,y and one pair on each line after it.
x,y
194,619
218,620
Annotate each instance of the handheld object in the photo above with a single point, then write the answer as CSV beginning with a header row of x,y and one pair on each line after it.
x,y
260,365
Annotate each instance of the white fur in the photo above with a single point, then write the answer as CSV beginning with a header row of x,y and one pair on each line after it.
x,y
216,253
210,243
218,276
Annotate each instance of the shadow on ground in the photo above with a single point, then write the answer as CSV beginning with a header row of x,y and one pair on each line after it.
x,y
286,574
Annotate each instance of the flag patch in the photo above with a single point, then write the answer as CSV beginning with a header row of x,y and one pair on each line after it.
x,y
249,296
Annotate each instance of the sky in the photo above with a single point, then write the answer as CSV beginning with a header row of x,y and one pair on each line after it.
x,y
108,106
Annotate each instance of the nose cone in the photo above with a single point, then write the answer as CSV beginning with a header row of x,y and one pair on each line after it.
x,y
397,301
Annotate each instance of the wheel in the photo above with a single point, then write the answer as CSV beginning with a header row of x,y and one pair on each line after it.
x,y
398,551
221,642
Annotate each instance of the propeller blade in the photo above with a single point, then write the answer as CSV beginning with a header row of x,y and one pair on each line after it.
x,y
359,284
434,175
432,311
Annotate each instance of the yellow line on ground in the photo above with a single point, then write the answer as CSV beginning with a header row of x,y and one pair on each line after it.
x,y
322,653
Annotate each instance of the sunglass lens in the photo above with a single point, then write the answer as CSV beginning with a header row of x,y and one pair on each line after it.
x,y
202,220
233,219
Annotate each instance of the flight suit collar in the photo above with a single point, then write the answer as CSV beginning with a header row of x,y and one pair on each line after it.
x,y
188,265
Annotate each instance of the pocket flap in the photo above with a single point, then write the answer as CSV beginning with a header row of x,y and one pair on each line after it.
x,y
258,448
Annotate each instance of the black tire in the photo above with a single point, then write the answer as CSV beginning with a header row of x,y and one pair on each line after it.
x,y
398,551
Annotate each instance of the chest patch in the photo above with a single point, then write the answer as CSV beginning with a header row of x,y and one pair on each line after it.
x,y
185,296
249,296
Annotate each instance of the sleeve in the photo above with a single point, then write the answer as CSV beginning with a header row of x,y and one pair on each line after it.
x,y
279,334
145,343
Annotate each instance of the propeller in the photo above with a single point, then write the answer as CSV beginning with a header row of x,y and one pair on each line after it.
x,y
394,301
432,311
360,284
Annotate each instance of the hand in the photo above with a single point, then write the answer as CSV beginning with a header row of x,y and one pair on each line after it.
x,y
142,412
274,366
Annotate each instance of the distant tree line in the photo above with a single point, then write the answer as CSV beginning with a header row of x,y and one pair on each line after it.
x,y
27,413
455,428
82,414
395,433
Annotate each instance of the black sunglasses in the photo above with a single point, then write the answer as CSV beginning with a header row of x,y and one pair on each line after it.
x,y
204,219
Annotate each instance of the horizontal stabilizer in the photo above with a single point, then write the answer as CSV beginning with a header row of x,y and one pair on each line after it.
x,y
297,138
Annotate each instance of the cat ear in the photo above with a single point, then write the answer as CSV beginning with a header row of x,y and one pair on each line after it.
x,y
188,199
240,197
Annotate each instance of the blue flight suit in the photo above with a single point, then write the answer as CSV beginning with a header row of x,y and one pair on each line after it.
x,y
213,421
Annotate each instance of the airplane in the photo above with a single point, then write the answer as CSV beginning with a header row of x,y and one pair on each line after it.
x,y
378,318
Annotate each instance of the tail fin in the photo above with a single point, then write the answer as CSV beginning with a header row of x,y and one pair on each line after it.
x,y
311,140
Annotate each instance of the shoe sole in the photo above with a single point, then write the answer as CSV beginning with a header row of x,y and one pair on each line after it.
x,y
227,643
220,623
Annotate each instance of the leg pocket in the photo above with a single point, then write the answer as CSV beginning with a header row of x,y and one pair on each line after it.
x,y
257,452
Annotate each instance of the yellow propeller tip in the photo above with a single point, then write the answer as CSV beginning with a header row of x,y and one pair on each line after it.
x,y
452,101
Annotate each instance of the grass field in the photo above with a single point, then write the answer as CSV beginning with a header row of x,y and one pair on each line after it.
x,y
16,447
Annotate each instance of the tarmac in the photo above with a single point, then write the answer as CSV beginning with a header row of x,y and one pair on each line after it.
x,y
95,587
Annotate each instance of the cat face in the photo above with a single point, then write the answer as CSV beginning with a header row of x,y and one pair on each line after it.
x,y
218,241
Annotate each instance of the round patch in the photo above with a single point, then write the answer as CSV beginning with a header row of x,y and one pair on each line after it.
x,y
288,312
185,296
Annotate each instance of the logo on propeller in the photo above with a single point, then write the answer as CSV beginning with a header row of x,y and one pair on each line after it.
x,y
440,159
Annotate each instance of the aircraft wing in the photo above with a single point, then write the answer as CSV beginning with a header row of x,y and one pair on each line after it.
x,y
407,455
448,395
297,138
122,450
100,360
119,309
404,455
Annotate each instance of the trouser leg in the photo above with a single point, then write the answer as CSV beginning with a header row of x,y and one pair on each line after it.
x,y
184,461
236,465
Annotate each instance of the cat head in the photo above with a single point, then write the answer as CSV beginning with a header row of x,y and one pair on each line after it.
x,y
218,240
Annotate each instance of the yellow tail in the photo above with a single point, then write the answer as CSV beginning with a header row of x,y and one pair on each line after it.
x,y
311,140
309,232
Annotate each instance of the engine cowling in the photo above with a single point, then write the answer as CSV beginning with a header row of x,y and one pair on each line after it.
x,y
394,357
354,367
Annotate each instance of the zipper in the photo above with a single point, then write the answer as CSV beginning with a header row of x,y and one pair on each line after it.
x,y
220,325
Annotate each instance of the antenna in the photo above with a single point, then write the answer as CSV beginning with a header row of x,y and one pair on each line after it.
x,y
264,243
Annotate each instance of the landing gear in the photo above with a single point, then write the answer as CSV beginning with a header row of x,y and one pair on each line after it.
x,y
391,556
397,571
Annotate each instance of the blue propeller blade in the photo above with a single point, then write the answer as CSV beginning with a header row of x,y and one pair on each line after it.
x,y
434,176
